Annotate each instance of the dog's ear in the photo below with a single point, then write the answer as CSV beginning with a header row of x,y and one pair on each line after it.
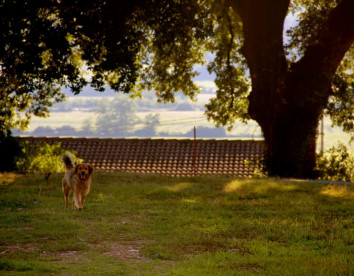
x,y
76,167
90,168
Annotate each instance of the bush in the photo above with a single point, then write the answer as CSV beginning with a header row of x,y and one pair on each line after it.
x,y
42,158
336,164
258,167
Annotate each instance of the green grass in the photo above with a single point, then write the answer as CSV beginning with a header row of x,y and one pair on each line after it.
x,y
150,225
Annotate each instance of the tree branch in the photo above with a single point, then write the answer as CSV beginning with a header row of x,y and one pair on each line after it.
x,y
228,60
333,41
263,22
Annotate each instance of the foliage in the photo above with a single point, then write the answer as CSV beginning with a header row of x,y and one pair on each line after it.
x,y
127,45
152,225
340,107
134,45
336,164
42,158
230,69
36,58
258,167
312,16
17,109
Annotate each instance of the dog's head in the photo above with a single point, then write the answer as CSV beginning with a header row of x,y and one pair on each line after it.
x,y
83,170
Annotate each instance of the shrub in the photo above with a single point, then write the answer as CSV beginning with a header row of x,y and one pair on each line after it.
x,y
258,166
336,164
42,158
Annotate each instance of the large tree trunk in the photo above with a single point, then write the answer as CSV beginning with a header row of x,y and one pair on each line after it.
x,y
291,141
289,126
288,99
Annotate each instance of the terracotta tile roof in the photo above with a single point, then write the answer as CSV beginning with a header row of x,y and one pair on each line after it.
x,y
173,157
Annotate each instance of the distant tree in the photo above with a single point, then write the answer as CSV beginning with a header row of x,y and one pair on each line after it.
x,y
44,131
184,107
151,121
116,117
66,131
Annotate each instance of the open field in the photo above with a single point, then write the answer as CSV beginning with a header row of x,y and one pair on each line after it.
x,y
150,225
174,122
178,122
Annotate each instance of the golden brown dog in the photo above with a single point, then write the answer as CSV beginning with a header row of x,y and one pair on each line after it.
x,y
77,178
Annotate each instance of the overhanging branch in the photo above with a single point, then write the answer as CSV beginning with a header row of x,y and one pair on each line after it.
x,y
333,41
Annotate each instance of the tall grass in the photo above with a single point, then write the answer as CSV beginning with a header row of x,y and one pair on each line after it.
x,y
151,225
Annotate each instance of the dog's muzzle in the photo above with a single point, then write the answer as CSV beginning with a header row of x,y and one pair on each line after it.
x,y
82,176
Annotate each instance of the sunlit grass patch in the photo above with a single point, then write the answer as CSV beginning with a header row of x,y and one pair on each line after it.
x,y
337,191
259,186
7,178
189,200
179,186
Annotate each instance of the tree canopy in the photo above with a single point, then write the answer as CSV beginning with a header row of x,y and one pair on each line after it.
x,y
134,45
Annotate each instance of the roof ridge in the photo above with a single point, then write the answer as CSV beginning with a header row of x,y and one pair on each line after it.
x,y
136,139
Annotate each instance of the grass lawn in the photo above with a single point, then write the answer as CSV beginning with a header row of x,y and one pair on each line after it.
x,y
150,225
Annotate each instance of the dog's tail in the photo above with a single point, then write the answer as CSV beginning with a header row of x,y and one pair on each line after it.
x,y
68,160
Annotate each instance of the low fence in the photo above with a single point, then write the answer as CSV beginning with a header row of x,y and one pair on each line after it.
x,y
175,157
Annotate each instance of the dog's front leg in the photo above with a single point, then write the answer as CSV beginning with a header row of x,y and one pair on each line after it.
x,y
77,201
66,202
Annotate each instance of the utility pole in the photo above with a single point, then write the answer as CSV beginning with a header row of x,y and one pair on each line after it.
x,y
322,134
195,152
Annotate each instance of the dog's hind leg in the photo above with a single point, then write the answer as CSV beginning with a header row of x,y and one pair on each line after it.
x,y
81,199
66,190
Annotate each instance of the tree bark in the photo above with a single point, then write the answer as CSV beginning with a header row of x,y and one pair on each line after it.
x,y
287,100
